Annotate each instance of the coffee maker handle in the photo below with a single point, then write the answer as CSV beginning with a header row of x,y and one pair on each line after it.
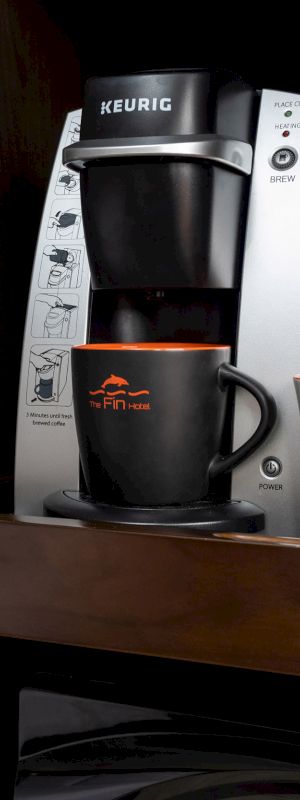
x,y
229,375
222,150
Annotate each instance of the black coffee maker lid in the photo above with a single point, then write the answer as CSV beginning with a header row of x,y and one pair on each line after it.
x,y
173,102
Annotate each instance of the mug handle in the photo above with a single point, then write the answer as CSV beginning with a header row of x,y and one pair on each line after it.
x,y
227,375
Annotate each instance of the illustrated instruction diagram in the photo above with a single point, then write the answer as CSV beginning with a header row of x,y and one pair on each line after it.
x,y
54,316
61,267
49,376
65,222
68,182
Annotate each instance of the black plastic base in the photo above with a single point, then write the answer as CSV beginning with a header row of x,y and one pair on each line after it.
x,y
235,515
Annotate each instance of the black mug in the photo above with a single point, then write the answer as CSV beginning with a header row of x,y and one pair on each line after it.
x,y
150,418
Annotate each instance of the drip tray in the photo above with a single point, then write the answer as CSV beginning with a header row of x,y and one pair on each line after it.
x,y
235,516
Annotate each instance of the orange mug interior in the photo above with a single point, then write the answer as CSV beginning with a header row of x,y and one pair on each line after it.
x,y
150,346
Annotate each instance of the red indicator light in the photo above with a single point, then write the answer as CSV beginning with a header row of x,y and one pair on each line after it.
x,y
285,134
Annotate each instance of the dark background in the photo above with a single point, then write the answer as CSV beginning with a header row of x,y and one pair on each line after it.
x,y
47,51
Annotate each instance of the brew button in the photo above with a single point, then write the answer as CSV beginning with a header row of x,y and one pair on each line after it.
x,y
284,158
271,467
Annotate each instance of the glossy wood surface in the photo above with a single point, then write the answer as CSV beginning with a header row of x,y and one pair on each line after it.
x,y
217,599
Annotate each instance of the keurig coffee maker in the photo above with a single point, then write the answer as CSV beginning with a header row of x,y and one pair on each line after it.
x,y
174,240
164,161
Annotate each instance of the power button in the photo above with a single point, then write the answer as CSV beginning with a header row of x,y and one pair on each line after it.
x,y
271,467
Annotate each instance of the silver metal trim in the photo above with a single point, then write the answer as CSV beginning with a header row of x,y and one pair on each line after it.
x,y
226,152
297,387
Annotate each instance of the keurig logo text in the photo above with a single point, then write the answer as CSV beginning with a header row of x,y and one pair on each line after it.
x,y
119,399
135,104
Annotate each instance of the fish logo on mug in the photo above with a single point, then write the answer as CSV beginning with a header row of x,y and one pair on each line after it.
x,y
119,399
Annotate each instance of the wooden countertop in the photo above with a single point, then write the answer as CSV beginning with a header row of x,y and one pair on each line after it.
x,y
215,598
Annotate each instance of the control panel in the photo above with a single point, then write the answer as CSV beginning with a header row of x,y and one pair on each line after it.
x,y
269,326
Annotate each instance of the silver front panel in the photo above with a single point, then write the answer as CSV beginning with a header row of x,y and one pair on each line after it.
x,y
47,457
269,329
